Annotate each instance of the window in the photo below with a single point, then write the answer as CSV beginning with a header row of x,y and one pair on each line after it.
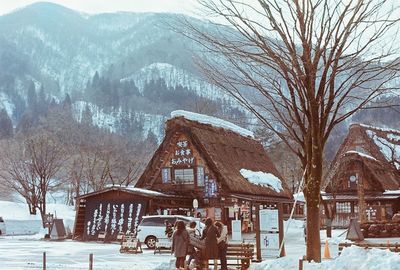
x,y
184,176
343,207
166,175
200,176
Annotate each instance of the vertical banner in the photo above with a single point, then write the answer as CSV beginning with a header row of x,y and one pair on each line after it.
x,y
236,230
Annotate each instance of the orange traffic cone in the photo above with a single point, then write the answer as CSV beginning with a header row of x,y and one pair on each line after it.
x,y
327,254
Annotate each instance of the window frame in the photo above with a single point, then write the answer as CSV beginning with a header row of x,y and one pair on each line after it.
x,y
185,180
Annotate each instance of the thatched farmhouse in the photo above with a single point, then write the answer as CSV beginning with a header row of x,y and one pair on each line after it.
x,y
217,163
364,176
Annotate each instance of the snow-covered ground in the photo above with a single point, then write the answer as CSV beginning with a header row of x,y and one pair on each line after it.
x,y
18,221
26,252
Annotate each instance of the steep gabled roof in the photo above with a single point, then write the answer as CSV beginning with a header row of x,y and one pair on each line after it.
x,y
378,149
226,153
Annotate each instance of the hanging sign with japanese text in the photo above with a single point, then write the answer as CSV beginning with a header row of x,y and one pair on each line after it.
x,y
210,188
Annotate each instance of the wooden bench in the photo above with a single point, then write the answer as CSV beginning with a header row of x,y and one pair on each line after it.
x,y
163,245
131,245
239,255
394,247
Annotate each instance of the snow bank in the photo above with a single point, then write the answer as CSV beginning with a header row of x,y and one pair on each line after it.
x,y
355,258
263,179
352,258
18,220
214,121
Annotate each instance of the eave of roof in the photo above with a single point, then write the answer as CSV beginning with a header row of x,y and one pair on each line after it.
x,y
135,191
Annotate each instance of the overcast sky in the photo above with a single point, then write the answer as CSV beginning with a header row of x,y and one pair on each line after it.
x,y
99,6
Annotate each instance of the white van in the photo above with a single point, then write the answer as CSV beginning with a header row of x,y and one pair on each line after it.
x,y
2,226
152,228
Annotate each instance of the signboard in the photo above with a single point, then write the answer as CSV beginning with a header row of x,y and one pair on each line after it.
x,y
269,220
112,217
183,155
166,175
231,212
269,245
200,176
236,230
269,233
218,214
210,188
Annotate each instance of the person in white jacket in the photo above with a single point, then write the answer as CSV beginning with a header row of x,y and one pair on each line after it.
x,y
222,244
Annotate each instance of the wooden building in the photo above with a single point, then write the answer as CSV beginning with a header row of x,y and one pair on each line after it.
x,y
364,176
217,163
116,210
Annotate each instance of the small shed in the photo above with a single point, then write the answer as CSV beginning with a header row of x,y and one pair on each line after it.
x,y
57,231
116,210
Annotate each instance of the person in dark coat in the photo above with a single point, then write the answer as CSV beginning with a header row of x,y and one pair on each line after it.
x,y
180,243
210,234
222,244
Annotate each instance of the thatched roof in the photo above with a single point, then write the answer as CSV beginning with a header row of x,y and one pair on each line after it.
x,y
377,149
226,152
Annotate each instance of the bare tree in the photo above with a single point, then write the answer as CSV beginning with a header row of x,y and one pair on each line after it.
x,y
301,67
31,165
18,175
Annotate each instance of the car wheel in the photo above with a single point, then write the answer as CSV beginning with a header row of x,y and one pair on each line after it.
x,y
151,242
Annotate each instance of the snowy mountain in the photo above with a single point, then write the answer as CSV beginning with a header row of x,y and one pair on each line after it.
x,y
107,61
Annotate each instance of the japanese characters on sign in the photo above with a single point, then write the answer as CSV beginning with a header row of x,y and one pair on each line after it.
x,y
166,175
183,154
210,188
200,176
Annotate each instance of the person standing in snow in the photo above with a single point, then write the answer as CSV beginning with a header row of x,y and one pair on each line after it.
x,y
192,233
168,229
222,244
180,244
210,234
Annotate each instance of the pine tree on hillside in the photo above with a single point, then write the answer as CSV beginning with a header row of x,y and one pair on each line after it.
x,y
87,116
42,102
6,126
32,99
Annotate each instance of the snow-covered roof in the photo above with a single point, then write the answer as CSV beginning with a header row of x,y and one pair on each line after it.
x,y
299,197
214,121
145,191
360,154
388,192
262,178
388,145
389,130
142,191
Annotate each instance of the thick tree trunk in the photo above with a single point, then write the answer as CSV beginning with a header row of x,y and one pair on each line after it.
x,y
32,209
313,177
329,228
313,237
